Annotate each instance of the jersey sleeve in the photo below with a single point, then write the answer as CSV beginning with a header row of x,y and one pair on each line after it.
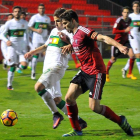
x,y
31,22
4,31
48,40
116,27
92,34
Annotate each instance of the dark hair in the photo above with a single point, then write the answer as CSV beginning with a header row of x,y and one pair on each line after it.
x,y
15,7
41,4
24,13
136,2
69,15
10,15
126,7
59,11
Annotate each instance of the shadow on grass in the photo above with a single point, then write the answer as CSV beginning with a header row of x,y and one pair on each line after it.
x,y
32,135
108,132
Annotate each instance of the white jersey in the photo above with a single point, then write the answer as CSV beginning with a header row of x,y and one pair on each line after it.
x,y
53,52
3,44
15,30
135,23
38,21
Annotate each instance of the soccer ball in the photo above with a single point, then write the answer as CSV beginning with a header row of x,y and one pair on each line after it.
x,y
9,117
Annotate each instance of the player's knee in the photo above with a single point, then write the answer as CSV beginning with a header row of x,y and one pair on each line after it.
x,y
113,60
69,99
39,87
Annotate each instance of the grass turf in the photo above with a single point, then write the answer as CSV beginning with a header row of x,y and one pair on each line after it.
x,y
35,119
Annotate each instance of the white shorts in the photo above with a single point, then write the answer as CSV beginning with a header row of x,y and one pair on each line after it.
x,y
4,49
14,56
51,75
55,91
135,43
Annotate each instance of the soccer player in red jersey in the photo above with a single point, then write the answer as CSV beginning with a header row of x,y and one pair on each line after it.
x,y
92,74
121,29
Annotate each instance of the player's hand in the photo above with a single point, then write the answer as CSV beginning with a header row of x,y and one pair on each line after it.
x,y
66,49
39,31
128,29
28,55
9,43
124,49
63,37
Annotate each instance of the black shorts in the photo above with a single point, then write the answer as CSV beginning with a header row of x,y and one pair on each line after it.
x,y
93,83
115,51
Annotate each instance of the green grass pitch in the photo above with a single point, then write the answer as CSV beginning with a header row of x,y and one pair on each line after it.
x,y
35,120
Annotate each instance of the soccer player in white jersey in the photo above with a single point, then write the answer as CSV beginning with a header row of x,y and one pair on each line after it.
x,y
40,25
3,44
15,28
26,42
55,64
134,36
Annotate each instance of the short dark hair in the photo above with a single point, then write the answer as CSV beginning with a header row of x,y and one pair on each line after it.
x,y
10,15
136,2
24,13
41,4
69,15
15,7
59,11
126,7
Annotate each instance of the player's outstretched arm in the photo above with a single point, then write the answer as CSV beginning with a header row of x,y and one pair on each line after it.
x,y
36,51
112,42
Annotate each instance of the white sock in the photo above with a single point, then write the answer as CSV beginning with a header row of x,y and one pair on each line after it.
x,y
34,62
48,100
138,65
30,64
10,78
127,65
4,61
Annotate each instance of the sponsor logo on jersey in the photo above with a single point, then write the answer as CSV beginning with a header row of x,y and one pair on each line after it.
x,y
42,25
136,23
19,33
54,40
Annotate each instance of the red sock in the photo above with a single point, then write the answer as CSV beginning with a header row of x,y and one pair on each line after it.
x,y
108,113
74,58
73,116
108,66
131,63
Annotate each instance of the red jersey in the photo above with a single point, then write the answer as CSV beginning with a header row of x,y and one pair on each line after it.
x,y
87,51
119,29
